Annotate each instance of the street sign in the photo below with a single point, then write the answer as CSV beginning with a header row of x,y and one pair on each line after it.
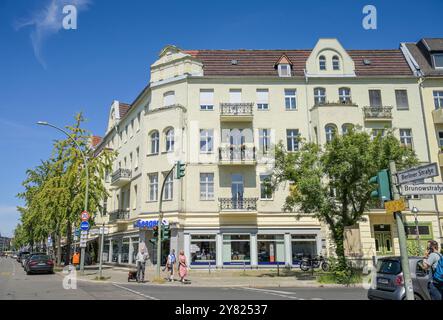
x,y
424,188
104,230
417,173
394,206
82,243
84,226
85,216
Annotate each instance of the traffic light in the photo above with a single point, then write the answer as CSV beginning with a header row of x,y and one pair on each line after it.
x,y
155,229
166,232
180,170
383,192
153,241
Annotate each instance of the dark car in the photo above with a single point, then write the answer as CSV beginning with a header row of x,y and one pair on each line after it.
x,y
23,259
19,256
388,283
39,263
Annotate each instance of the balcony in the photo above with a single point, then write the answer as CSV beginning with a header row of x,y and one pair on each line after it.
x,y
237,155
236,112
377,113
238,205
340,103
121,177
440,157
437,115
119,215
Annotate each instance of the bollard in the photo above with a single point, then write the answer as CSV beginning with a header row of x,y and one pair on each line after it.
x,y
209,262
278,269
244,266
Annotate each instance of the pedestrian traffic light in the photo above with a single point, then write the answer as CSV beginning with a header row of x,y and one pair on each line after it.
x,y
166,232
383,191
180,170
155,229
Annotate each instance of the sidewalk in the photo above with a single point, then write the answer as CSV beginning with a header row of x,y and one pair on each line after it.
x,y
216,278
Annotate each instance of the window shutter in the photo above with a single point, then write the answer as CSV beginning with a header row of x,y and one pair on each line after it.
x,y
262,96
235,96
206,97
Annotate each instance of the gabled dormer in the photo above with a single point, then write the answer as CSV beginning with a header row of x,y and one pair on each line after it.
x,y
432,49
173,63
329,59
117,111
284,66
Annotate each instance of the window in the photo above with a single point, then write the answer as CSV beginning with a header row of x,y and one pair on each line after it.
x,y
375,98
406,137
206,99
206,186
153,186
236,248
169,98
438,61
265,188
130,161
346,128
138,122
235,95
206,140
284,70
154,142
401,97
290,99
438,99
126,133
131,128
319,96
303,245
120,136
440,139
134,205
203,249
330,132
169,185
322,62
262,99
377,132
292,139
344,95
264,140
170,140
137,156
335,63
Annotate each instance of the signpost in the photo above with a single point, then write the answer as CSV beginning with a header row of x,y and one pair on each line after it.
x,y
84,226
85,216
424,188
417,173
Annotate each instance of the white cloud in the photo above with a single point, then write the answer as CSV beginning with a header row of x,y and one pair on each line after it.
x,y
48,21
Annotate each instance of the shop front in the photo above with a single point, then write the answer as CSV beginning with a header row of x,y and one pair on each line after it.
x,y
121,248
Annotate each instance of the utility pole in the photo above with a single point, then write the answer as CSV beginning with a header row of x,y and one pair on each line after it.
x,y
417,231
102,236
401,235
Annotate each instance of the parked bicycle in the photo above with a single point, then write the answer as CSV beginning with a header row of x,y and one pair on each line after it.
x,y
308,263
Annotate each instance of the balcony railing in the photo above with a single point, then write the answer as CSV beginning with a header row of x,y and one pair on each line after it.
x,y
121,176
236,154
238,204
344,102
377,113
236,109
119,214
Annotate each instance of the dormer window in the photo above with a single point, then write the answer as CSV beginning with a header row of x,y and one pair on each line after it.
x,y
438,60
335,63
322,62
284,70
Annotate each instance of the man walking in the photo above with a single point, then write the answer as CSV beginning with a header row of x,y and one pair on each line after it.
x,y
142,256
170,263
433,260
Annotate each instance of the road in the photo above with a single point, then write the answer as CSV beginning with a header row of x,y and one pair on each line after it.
x,y
15,284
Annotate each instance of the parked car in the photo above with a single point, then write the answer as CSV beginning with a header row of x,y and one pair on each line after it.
x,y
23,259
20,254
39,263
388,283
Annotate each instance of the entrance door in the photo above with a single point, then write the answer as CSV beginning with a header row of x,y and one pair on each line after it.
x,y
237,189
383,240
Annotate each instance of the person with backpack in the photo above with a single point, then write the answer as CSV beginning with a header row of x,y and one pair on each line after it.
x,y
433,260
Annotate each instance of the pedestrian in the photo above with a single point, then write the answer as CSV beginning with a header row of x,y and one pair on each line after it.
x,y
141,259
170,264
76,259
433,260
182,266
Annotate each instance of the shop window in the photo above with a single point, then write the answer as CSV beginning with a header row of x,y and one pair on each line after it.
x,y
115,251
304,245
135,241
125,251
270,249
203,249
236,249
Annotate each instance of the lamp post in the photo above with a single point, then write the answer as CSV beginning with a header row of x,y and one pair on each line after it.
x,y
44,123
417,234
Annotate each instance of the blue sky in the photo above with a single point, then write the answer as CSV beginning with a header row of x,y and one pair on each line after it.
x,y
48,73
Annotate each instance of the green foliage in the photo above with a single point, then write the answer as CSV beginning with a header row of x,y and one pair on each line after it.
x,y
332,183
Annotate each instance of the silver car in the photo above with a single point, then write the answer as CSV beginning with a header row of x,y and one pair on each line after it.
x,y
388,284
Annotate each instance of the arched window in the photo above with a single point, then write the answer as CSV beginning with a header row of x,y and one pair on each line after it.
x,y
346,128
319,96
169,98
330,132
155,142
344,95
322,62
170,140
335,63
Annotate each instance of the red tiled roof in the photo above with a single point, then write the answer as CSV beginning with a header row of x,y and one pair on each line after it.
x,y
261,62
95,141
123,109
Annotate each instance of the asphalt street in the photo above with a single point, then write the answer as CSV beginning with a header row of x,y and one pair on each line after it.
x,y
15,284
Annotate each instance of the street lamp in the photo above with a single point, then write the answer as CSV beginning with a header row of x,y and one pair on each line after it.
x,y
44,123
417,234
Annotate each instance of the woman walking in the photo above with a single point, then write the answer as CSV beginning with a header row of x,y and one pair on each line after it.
x,y
182,266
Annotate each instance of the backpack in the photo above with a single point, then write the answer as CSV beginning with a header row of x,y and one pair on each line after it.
x,y
437,275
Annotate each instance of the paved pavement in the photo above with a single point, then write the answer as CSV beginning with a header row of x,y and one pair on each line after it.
x,y
15,284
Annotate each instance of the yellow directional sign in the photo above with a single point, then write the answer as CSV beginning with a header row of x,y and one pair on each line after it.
x,y
394,206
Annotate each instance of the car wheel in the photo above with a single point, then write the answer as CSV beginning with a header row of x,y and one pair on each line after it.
x,y
28,272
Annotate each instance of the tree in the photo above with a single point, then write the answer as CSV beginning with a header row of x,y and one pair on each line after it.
x,y
331,183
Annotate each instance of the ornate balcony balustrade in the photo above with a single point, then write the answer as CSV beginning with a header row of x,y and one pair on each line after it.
x,y
238,204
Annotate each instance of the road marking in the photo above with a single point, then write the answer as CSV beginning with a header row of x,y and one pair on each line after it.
x,y
135,292
283,294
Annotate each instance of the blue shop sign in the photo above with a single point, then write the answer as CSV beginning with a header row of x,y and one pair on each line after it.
x,y
147,224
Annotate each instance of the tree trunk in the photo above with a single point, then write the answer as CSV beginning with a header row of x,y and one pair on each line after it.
x,y
68,244
59,249
338,235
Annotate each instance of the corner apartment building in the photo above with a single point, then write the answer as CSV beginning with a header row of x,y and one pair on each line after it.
x,y
221,112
